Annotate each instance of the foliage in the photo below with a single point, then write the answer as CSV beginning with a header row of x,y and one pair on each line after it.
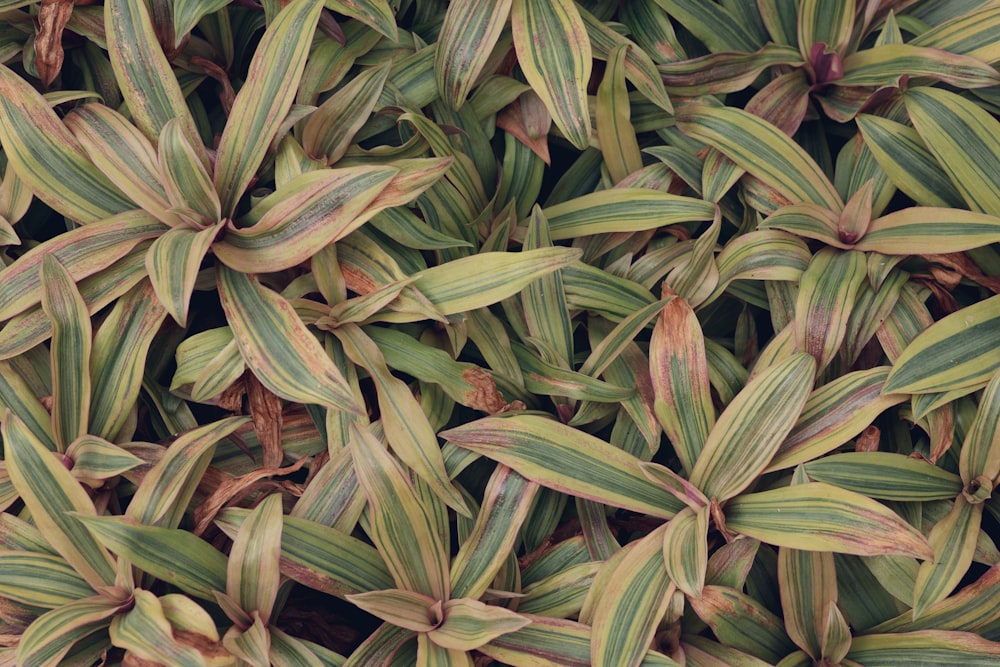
x,y
527,332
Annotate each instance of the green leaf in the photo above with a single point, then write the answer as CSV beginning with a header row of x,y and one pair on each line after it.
x,y
118,358
929,230
376,14
926,647
980,457
885,476
400,524
554,53
819,517
468,624
959,351
263,101
51,636
678,368
144,75
48,158
807,583
70,352
40,580
685,549
328,131
762,150
96,459
252,574
565,459
187,14
623,210
544,300
481,280
634,592
173,263
614,129
177,557
278,347
713,24
743,623
953,540
470,30
827,23
827,292
185,178
750,429
145,632
964,139
55,499
886,64
407,429
402,608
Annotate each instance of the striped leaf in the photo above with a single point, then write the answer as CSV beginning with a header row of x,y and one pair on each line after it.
x,y
554,53
328,131
762,150
929,230
969,33
835,413
482,280
146,633
52,635
144,75
400,524
885,65
827,292
685,549
707,653
953,540
620,337
56,502
48,158
713,24
166,489
506,501
929,647
560,595
827,23
376,14
622,210
678,367
959,351
173,263
187,14
980,457
185,178
807,583
965,139
123,154
118,358
177,557
904,157
311,211
743,623
278,347
886,476
82,252
544,300
321,557
95,459
70,352
567,460
470,30
402,608
468,624
263,101
18,396
252,574
40,580
724,71
614,129
407,429
750,429
633,598
820,517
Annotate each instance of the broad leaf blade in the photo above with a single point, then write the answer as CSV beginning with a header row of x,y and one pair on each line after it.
x,y
252,574
685,549
51,636
827,292
173,263
953,540
469,31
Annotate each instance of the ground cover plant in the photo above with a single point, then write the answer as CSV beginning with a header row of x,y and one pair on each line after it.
x,y
499,332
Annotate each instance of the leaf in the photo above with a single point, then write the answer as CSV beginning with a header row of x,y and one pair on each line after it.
x,y
95,459
51,636
70,352
468,624
807,583
468,34
819,517
481,280
407,429
930,647
634,596
376,14
829,24
187,14
313,210
40,580
980,456
554,52
173,263
750,429
827,292
145,632
887,64
48,158
52,496
963,138
278,347
567,460
762,150
885,476
959,351
252,575
622,210
402,608
926,229
263,101
118,358
741,622
685,549
146,80
328,131
400,524
185,178
544,300
614,129
953,540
